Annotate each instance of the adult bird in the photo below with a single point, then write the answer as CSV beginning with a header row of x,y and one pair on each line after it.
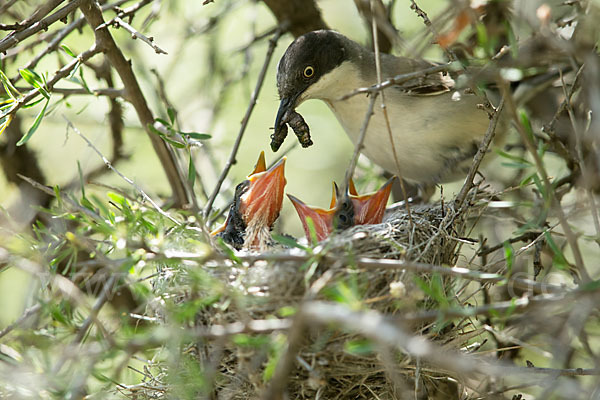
x,y
361,210
256,205
436,127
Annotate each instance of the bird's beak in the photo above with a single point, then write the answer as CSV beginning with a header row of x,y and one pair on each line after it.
x,y
322,220
286,104
261,203
369,208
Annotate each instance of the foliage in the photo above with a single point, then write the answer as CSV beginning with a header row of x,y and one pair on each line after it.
x,y
127,295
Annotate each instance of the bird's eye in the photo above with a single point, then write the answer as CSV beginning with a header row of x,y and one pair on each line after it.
x,y
309,72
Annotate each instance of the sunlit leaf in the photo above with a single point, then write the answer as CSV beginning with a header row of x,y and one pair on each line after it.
x,y
35,125
68,50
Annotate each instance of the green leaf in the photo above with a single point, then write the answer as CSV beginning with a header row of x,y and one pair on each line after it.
x,y
174,143
526,124
34,80
509,256
35,125
512,157
162,121
171,113
359,347
287,241
33,104
312,230
287,311
196,135
9,88
164,137
82,186
68,50
191,173
559,259
527,179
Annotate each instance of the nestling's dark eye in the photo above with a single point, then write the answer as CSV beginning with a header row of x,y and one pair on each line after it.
x,y
309,72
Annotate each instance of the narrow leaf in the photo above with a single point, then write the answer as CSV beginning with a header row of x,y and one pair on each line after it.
x,y
68,50
196,135
191,173
35,125
171,113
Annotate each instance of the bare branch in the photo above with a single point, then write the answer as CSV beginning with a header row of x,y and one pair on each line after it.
x,y
481,151
399,79
105,41
136,35
15,37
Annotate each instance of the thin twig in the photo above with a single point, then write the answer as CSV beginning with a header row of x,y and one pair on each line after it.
x,y
16,37
481,152
127,12
8,5
413,5
60,74
579,151
175,176
359,143
238,140
26,314
374,263
108,92
571,238
402,78
137,35
126,179
386,117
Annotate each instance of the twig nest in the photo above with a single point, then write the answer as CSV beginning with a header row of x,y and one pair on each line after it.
x,y
329,362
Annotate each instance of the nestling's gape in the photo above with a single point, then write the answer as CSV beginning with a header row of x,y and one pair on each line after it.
x,y
436,127
256,205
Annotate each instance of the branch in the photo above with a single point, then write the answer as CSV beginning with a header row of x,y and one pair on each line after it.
x,y
136,35
481,152
112,93
300,16
61,73
374,263
402,78
15,37
238,140
126,179
105,41
550,192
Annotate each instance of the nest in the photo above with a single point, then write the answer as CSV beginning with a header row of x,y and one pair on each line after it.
x,y
331,363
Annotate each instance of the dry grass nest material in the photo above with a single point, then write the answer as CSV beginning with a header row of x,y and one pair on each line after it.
x,y
326,367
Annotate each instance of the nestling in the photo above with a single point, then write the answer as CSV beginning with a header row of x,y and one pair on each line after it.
x,y
364,209
256,205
